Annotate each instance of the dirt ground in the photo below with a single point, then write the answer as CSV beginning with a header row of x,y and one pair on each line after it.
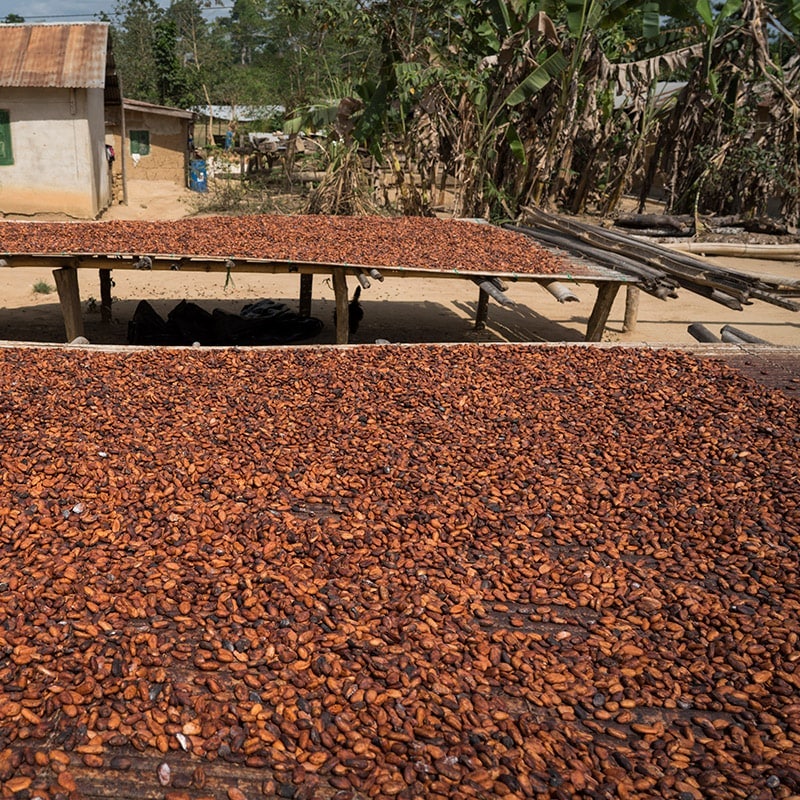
x,y
398,310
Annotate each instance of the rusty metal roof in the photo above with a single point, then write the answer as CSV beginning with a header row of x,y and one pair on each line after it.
x,y
54,55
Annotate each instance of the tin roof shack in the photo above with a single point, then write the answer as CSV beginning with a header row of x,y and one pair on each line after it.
x,y
56,83
157,143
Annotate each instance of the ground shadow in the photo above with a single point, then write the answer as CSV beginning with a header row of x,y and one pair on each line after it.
x,y
395,321
521,324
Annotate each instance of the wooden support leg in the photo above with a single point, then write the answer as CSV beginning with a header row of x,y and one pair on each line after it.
x,y
606,292
105,296
482,314
70,297
342,311
631,308
306,285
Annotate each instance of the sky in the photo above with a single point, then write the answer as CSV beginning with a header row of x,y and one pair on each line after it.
x,y
57,10
61,10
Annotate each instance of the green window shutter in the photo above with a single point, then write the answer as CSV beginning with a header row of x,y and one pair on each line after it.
x,y
140,142
6,156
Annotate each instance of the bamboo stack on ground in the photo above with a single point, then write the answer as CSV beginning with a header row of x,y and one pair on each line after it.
x,y
659,270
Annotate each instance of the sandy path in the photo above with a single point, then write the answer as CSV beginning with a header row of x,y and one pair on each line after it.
x,y
400,310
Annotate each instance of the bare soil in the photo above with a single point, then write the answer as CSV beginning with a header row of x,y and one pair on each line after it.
x,y
397,310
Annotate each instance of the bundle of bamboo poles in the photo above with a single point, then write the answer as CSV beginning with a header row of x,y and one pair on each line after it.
x,y
659,270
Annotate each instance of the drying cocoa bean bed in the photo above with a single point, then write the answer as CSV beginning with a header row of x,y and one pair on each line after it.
x,y
410,242
462,572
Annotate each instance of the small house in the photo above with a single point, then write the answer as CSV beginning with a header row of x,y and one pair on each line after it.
x,y
56,84
69,141
158,143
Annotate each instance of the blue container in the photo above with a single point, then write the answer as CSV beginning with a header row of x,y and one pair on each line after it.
x,y
198,178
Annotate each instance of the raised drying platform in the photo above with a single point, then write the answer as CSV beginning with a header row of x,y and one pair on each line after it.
x,y
363,247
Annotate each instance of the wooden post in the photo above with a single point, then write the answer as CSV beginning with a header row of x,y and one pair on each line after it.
x,y
631,308
306,285
482,314
70,297
606,292
105,296
342,310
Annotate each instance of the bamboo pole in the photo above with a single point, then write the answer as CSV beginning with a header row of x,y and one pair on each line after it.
x,y
561,293
701,333
743,335
770,252
487,286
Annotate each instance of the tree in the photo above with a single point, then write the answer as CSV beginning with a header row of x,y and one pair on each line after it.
x,y
134,37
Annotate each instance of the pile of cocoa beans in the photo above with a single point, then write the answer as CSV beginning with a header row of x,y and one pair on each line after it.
x,y
410,242
415,572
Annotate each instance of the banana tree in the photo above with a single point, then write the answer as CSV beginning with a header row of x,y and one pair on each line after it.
x,y
731,141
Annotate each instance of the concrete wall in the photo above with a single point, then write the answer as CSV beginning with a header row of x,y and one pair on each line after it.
x,y
57,152
168,157
97,131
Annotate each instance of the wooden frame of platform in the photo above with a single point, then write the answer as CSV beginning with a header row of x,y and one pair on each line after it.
x,y
490,283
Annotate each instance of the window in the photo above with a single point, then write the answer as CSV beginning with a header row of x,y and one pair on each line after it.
x,y
6,156
140,143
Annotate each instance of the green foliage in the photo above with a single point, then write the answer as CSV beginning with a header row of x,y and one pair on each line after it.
x,y
549,67
43,287
513,96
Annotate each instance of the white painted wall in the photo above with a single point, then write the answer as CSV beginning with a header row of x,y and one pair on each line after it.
x,y
58,141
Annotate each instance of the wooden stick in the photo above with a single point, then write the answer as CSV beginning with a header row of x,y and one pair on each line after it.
x,y
306,288
606,293
105,296
678,223
69,294
631,309
342,310
482,314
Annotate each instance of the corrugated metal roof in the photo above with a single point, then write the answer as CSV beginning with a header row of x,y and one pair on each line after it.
x,y
170,111
58,56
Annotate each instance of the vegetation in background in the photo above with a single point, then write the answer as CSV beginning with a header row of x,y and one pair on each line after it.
x,y
554,104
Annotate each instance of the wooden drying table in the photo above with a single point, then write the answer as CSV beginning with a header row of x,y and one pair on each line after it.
x,y
491,283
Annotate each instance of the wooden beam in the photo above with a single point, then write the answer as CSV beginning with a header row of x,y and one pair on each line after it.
x,y
105,296
631,308
606,293
306,287
482,314
69,295
342,310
